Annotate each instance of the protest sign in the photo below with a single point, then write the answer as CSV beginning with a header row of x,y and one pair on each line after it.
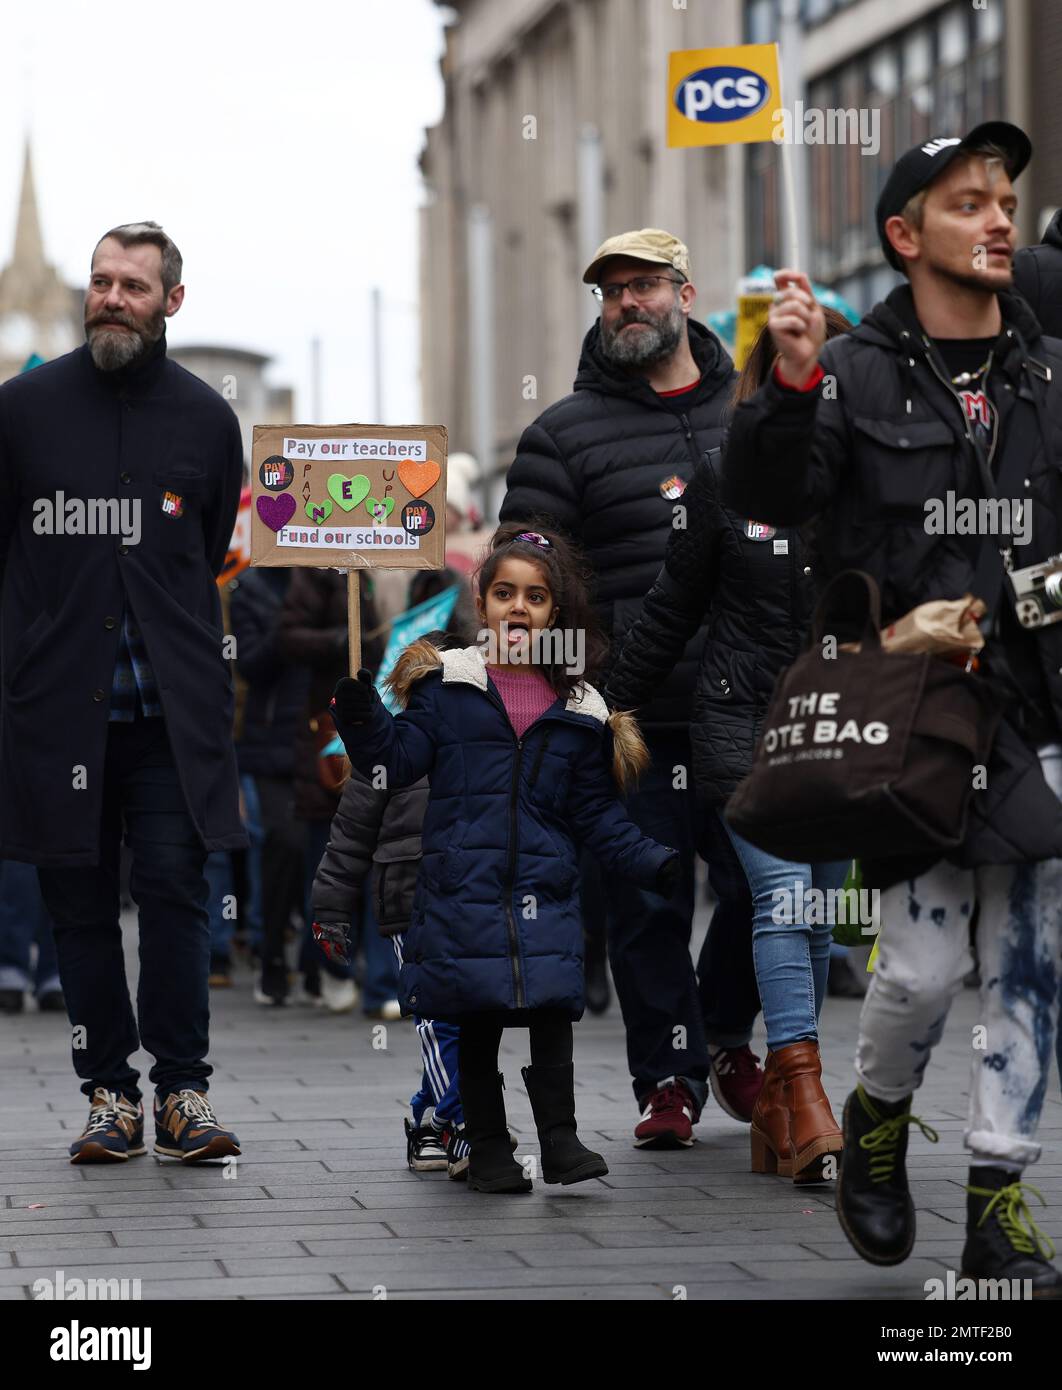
x,y
349,497
238,555
729,96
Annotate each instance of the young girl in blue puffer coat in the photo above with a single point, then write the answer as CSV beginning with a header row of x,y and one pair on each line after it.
x,y
524,762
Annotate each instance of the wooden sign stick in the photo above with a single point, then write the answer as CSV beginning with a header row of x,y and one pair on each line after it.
x,y
354,619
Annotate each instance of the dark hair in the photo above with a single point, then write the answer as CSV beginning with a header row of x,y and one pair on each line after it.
x,y
760,360
569,577
149,234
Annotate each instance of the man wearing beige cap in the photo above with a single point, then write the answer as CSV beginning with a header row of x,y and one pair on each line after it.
x,y
607,464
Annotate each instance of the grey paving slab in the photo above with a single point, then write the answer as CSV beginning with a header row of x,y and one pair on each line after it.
x,y
322,1206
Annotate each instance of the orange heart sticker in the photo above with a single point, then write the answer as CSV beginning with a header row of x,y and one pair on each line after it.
x,y
418,478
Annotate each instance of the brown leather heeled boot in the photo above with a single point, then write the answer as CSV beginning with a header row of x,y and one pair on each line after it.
x,y
770,1125
813,1132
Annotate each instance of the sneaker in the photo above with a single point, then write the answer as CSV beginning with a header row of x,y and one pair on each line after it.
x,y
388,1012
115,1130
668,1119
736,1079
187,1128
271,986
425,1148
457,1152
220,976
338,996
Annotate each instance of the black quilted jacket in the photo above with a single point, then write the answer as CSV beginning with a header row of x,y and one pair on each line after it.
x,y
1038,277
752,582
598,464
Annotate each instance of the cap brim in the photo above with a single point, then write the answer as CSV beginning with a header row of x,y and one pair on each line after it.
x,y
592,273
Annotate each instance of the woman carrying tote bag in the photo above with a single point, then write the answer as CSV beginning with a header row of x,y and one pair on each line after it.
x,y
753,582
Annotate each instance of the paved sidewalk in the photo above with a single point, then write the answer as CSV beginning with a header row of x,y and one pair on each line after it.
x,y
322,1206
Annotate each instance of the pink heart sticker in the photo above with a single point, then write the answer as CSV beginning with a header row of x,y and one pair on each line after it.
x,y
276,511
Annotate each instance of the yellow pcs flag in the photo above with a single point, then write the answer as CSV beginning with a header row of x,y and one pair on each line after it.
x,y
722,96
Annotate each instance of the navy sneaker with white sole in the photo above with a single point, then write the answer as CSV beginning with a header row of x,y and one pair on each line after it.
x,y
187,1128
115,1130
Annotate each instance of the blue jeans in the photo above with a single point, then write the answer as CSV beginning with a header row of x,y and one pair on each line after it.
x,y
142,792
792,955
24,920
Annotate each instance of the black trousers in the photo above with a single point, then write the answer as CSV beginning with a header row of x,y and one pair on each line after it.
x,y
672,1012
142,796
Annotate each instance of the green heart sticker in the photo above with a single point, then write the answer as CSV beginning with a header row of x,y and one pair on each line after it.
x,y
319,511
348,492
379,511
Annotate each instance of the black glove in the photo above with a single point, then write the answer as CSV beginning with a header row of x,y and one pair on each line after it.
x,y
353,701
668,876
334,940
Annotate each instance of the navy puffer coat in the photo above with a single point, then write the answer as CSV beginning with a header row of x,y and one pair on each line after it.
x,y
496,921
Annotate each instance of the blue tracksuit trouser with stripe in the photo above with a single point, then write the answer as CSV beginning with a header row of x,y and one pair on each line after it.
x,y
438,1087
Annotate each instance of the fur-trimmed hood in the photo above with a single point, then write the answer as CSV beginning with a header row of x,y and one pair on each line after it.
x,y
466,665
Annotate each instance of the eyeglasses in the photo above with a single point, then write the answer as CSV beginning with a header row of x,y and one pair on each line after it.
x,y
644,287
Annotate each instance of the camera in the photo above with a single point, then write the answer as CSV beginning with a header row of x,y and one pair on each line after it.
x,y
1038,592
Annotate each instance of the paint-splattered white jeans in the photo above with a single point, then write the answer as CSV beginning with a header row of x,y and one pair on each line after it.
x,y
920,967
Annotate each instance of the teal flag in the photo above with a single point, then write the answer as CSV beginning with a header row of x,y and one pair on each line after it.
x,y
407,627
33,360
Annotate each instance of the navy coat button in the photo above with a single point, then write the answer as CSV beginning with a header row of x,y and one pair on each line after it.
x,y
98,695
110,624
412,998
127,477
123,550
807,569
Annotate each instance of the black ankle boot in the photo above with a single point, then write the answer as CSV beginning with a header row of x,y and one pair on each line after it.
x,y
873,1199
551,1091
1002,1240
491,1167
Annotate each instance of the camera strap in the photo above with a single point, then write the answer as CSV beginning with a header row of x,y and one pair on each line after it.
x,y
1018,449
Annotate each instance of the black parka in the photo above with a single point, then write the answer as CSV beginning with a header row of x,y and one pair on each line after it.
x,y
276,689
134,435
598,464
754,585
862,453
1038,277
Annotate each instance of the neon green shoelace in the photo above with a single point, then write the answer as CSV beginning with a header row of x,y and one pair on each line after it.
x,y
1013,1212
882,1141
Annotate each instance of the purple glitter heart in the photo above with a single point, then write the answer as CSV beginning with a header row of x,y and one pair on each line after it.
x,y
276,511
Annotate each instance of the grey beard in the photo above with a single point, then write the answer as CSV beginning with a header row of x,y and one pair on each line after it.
x,y
112,349
657,343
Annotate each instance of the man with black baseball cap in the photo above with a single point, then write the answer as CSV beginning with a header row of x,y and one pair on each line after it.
x,y
948,388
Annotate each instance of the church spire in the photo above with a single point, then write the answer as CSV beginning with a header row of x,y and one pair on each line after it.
x,y
29,246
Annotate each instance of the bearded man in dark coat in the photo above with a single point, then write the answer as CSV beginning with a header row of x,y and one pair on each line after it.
x,y
120,476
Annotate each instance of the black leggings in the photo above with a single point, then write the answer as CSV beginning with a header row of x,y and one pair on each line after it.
x,y
479,1038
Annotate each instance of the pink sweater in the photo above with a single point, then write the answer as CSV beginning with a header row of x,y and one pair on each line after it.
x,y
525,697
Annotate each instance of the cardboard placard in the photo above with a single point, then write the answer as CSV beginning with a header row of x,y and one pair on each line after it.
x,y
349,496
